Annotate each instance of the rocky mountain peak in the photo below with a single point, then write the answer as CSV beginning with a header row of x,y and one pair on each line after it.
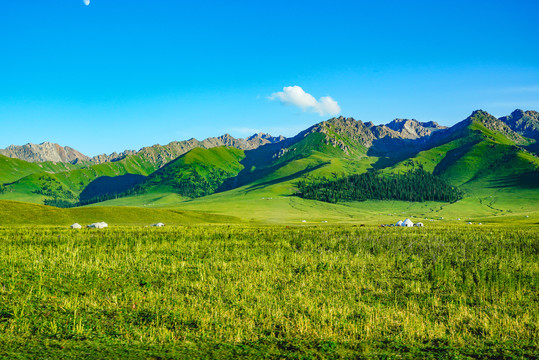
x,y
46,151
413,129
494,124
525,123
367,133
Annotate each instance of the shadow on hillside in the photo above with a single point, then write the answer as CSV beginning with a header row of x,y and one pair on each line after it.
x,y
256,165
391,151
527,180
452,156
106,185
289,177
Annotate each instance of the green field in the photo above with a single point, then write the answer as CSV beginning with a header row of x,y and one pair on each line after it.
x,y
247,269
291,292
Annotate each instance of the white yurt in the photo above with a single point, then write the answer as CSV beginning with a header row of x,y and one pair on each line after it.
x,y
399,223
407,223
158,225
468,223
99,225
76,226
418,224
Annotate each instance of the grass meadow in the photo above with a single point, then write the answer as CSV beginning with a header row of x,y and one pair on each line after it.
x,y
289,292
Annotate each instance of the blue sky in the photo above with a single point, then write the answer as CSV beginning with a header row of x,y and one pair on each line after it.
x,y
120,74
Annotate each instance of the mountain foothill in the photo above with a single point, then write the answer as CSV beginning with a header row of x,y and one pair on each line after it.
x,y
479,152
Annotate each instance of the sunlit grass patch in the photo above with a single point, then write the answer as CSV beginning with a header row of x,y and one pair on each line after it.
x,y
233,291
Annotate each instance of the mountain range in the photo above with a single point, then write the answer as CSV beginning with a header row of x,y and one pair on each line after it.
x,y
480,152
47,151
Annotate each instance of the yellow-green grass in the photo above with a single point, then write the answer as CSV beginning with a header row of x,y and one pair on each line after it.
x,y
18,213
221,291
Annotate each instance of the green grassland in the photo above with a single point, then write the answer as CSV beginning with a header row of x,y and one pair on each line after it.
x,y
245,269
25,214
243,291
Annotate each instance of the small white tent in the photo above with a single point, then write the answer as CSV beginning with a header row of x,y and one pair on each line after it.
x,y
76,226
407,223
418,224
99,225
158,225
399,223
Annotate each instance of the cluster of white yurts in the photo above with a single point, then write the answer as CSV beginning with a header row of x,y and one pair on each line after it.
x,y
408,223
98,225
102,225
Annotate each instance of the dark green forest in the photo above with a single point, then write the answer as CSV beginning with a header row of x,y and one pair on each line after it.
x,y
415,185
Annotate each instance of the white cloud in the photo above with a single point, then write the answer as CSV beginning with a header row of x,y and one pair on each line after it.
x,y
294,95
86,2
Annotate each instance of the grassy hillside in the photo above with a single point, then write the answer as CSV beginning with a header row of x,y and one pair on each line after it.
x,y
197,173
68,185
497,176
308,154
18,213
66,181
479,148
14,169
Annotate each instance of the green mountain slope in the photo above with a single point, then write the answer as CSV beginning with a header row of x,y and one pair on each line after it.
x,y
488,158
197,173
482,154
272,169
480,147
14,169
37,182
331,147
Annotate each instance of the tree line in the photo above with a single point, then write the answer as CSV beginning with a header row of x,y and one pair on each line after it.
x,y
415,185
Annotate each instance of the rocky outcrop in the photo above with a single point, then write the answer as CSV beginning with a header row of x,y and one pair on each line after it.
x,y
103,158
344,132
45,151
413,129
525,123
494,124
